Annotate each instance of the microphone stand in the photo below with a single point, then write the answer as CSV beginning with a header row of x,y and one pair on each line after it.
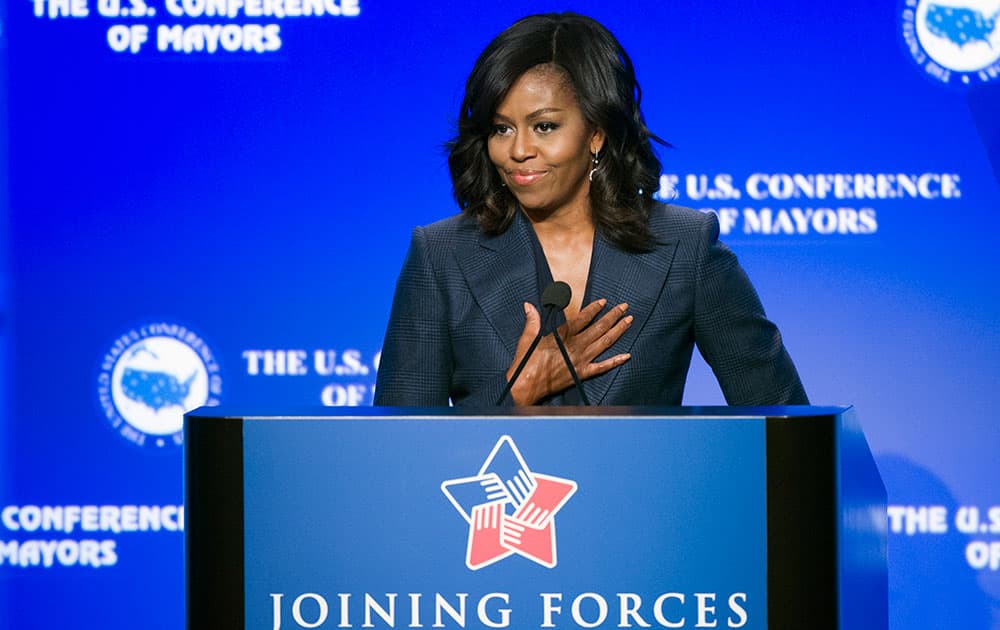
x,y
572,370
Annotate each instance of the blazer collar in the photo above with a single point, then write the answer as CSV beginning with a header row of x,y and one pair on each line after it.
x,y
500,272
635,279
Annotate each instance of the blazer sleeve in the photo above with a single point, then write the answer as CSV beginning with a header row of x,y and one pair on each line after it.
x,y
743,348
416,365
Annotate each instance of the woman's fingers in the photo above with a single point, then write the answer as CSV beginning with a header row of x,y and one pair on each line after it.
x,y
532,324
525,389
580,321
602,334
610,335
596,338
596,369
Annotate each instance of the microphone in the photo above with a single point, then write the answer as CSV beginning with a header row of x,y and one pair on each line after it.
x,y
555,296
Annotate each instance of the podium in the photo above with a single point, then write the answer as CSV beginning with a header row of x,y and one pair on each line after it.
x,y
582,517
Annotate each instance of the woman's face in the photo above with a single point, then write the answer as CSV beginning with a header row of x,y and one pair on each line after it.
x,y
542,146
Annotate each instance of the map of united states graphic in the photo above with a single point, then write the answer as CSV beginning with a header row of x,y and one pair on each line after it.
x,y
960,25
156,390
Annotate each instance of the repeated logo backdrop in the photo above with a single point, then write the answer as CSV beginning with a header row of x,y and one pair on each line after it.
x,y
209,201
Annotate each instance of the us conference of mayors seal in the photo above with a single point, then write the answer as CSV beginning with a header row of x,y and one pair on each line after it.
x,y
150,377
956,42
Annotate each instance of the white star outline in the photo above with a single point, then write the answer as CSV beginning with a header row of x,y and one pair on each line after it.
x,y
517,492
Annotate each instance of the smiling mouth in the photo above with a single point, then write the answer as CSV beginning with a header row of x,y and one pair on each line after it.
x,y
525,178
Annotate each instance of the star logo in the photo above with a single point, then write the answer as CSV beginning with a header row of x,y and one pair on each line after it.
x,y
509,509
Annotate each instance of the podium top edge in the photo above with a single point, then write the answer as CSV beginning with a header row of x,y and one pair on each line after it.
x,y
596,412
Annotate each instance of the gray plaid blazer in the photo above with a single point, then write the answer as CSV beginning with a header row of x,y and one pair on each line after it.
x,y
457,315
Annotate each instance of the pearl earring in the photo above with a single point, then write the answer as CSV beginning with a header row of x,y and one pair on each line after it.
x,y
597,161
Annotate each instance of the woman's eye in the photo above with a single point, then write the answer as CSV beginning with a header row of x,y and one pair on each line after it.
x,y
500,130
546,127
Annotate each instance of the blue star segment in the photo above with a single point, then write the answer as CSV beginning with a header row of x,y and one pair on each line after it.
x,y
156,390
506,463
467,493
959,25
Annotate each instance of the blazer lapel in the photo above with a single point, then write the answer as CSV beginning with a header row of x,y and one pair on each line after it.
x,y
636,279
500,272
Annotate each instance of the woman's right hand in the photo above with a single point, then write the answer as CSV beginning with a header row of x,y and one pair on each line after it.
x,y
585,339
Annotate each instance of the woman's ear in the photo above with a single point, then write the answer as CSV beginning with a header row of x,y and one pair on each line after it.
x,y
597,141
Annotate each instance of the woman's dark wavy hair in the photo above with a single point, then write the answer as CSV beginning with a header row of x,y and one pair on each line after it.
x,y
601,75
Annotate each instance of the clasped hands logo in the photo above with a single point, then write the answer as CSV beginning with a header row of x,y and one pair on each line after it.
x,y
509,508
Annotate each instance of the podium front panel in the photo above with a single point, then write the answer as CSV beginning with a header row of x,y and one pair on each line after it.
x,y
362,522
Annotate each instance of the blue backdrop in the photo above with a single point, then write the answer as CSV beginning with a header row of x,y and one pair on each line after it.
x,y
214,207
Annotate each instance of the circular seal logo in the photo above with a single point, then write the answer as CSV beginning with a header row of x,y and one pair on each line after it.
x,y
956,42
152,375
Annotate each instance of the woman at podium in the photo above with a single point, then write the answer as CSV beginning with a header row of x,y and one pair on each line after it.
x,y
554,173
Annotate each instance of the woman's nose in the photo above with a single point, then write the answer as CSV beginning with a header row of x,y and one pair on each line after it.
x,y
522,148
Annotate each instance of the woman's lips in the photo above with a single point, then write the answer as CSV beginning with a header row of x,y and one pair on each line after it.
x,y
525,178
